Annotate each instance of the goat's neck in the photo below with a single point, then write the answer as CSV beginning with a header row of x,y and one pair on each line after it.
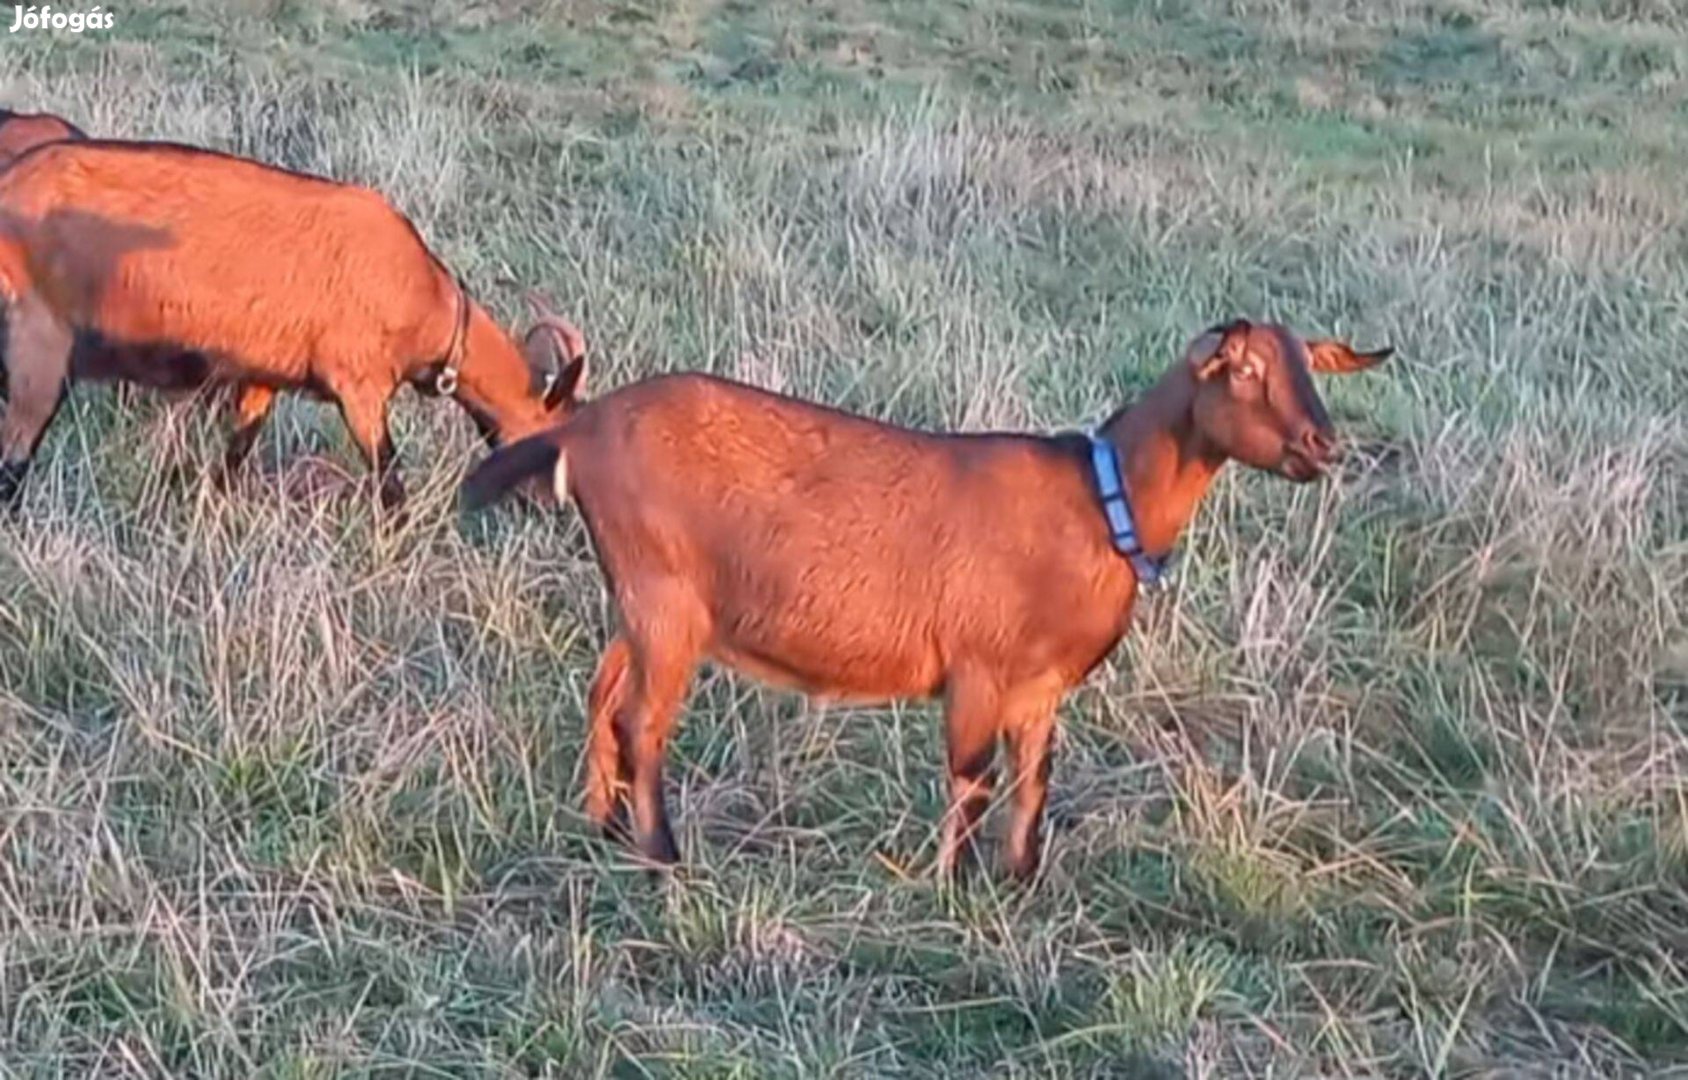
x,y
1166,463
495,382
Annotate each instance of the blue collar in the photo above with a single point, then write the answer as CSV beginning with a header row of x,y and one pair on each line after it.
x,y
1110,485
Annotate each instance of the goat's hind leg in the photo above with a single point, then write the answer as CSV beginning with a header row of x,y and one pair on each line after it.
x,y
37,358
666,633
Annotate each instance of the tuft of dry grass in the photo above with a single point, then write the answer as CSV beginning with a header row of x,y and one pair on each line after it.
x,y
1392,784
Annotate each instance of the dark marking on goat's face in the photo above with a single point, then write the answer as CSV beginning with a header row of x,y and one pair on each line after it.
x,y
1255,399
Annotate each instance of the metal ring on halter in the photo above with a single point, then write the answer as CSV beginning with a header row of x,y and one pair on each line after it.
x,y
446,381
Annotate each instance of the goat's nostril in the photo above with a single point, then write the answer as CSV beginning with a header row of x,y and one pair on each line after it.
x,y
1318,444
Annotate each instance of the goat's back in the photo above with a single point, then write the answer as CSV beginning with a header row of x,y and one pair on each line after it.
x,y
843,555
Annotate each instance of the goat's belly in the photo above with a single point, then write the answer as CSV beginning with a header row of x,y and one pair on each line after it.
x,y
870,667
160,365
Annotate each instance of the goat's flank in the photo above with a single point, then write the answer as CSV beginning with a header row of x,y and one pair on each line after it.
x,y
176,267
853,559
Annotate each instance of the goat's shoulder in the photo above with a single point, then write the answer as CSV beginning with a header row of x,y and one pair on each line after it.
x,y
1014,450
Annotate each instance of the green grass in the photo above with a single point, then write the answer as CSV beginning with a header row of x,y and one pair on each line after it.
x,y
1393,784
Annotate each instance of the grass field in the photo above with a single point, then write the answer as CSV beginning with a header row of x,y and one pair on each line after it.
x,y
1394,784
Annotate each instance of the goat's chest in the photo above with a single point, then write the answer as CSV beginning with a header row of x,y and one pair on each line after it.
x,y
1043,616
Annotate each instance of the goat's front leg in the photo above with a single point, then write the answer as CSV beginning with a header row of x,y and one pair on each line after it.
x,y
1029,726
971,726
252,405
38,369
365,409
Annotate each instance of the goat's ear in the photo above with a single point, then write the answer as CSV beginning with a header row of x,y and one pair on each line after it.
x,y
539,349
563,355
567,384
1332,357
1216,347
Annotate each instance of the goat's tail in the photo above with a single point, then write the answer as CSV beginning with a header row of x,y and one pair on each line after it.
x,y
510,466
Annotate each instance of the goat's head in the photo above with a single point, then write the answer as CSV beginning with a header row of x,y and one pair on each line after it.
x,y
23,132
556,355
1255,400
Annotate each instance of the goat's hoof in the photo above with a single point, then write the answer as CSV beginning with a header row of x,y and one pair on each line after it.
x,y
394,518
659,847
614,829
1022,874
956,866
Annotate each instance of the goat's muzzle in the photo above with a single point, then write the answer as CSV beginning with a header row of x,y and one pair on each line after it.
x,y
1311,455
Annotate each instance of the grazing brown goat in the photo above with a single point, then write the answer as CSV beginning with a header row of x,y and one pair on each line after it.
x,y
856,560
176,267
23,132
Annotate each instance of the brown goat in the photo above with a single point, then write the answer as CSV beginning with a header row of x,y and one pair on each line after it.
x,y
856,560
23,132
176,267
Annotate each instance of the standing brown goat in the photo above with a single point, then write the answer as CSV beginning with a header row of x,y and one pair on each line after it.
x,y
175,267
23,132
857,560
